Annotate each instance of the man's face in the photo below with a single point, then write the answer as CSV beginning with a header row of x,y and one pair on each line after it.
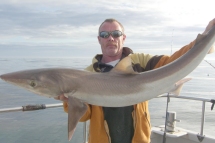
x,y
111,47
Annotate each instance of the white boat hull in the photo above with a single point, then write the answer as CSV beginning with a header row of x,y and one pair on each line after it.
x,y
181,136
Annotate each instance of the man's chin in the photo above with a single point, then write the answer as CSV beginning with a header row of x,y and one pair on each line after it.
x,y
112,52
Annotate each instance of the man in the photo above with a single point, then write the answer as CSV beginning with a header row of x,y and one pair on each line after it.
x,y
129,124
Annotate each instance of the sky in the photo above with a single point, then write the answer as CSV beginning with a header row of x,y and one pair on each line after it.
x,y
69,28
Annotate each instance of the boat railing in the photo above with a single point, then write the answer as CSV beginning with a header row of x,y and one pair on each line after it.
x,y
42,106
203,100
45,106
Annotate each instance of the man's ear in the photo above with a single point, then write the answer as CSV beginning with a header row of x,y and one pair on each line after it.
x,y
124,37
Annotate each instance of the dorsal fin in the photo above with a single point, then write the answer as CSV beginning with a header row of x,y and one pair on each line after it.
x,y
199,38
124,67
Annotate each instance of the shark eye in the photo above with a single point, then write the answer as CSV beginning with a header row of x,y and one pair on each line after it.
x,y
32,84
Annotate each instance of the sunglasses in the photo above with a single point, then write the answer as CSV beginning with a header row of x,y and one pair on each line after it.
x,y
114,34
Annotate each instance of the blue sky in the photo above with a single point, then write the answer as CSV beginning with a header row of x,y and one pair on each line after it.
x,y
69,28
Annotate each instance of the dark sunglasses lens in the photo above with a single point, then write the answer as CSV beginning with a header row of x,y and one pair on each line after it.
x,y
116,34
104,34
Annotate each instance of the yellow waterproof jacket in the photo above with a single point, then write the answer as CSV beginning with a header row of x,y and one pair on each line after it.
x,y
98,129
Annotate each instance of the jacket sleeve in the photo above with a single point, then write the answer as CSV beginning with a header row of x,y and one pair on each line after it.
x,y
163,60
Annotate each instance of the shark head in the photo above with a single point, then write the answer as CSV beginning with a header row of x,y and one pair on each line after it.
x,y
41,82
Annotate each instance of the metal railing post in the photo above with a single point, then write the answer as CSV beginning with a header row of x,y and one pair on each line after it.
x,y
85,132
201,136
203,118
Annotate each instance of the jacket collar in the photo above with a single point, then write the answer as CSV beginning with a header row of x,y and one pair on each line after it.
x,y
97,64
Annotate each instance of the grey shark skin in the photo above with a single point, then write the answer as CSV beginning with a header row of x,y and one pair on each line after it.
x,y
120,87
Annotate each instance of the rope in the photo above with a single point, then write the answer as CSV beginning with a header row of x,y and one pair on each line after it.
x,y
209,63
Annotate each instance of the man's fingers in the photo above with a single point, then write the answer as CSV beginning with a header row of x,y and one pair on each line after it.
x,y
57,98
61,97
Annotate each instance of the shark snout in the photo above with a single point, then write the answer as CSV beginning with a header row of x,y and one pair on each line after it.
x,y
2,77
8,77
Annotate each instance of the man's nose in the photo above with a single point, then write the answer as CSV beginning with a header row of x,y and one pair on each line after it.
x,y
110,38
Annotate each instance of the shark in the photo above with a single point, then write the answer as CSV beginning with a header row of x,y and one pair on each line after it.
x,y
122,86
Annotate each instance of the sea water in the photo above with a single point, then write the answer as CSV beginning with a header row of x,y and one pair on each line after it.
x,y
50,125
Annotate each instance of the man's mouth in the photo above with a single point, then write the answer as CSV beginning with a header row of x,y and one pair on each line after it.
x,y
111,44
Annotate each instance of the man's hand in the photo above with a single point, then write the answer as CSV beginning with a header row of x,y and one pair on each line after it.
x,y
62,98
209,26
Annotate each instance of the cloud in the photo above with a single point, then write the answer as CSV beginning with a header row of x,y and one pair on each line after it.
x,y
74,24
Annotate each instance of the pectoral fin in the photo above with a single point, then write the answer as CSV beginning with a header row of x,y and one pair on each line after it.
x,y
76,110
